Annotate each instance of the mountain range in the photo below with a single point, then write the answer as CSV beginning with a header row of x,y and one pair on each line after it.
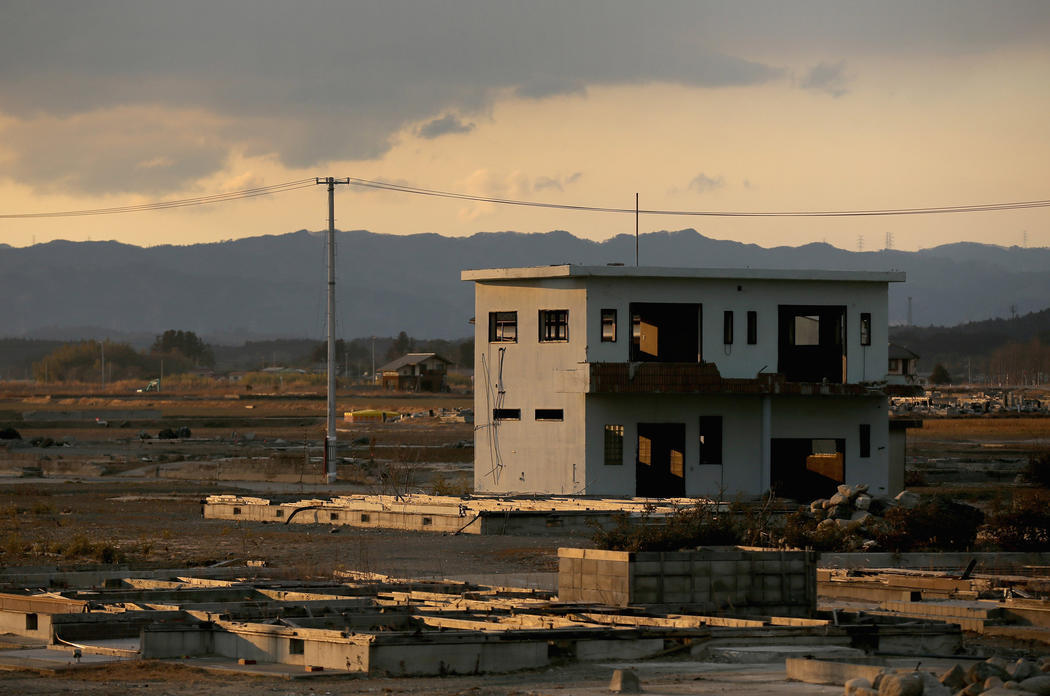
x,y
275,286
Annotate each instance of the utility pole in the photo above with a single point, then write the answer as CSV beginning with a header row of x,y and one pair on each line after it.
x,y
636,228
330,437
102,346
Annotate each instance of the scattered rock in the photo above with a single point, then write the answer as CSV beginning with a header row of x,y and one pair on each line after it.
x,y
862,502
931,685
907,500
625,681
838,499
992,682
980,671
166,434
862,517
1021,670
1037,685
909,684
858,686
10,434
955,678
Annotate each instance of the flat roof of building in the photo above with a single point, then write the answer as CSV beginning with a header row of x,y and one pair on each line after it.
x,y
573,271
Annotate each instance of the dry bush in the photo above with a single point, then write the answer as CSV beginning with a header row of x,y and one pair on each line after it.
x,y
702,524
937,524
1024,526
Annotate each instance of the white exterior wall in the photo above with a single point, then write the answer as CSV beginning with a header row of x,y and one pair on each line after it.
x,y
531,456
863,363
528,455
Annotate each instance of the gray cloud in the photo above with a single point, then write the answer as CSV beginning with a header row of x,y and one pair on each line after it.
x,y
702,183
320,81
445,125
543,183
826,77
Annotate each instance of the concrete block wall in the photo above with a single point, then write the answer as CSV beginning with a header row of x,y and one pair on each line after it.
x,y
730,580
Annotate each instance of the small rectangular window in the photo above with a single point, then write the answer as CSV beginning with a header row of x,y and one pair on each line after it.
x,y
278,512
608,326
365,517
428,521
296,646
865,329
752,328
727,327
506,414
236,511
710,439
549,414
865,440
333,516
613,445
554,325
503,327
31,622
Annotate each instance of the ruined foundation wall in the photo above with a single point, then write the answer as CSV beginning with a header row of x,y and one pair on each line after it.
x,y
739,581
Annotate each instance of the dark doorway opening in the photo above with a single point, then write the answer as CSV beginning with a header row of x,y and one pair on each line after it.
x,y
660,461
811,343
665,332
806,469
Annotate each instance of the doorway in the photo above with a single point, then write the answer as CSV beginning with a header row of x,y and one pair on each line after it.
x,y
660,460
665,332
806,469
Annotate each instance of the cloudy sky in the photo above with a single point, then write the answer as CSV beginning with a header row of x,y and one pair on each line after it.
x,y
744,105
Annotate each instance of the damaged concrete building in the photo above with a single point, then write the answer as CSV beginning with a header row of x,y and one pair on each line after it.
x,y
668,382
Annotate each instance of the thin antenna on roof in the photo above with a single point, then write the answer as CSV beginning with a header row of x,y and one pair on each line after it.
x,y
635,228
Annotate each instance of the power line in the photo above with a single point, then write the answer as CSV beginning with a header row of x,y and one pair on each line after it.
x,y
180,203
436,193
977,208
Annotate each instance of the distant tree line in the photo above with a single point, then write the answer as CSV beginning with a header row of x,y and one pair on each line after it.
x,y
1006,351
174,352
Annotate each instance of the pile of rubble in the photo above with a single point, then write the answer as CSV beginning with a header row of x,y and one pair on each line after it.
x,y
993,677
853,509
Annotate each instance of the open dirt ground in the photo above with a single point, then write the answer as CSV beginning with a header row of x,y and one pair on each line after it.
x,y
103,494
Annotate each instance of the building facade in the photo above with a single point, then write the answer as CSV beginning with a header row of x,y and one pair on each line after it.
x,y
669,382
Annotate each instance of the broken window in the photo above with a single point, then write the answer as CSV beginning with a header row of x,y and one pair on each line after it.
x,y
710,439
296,646
608,326
752,328
613,445
811,343
31,622
506,414
549,414
503,327
865,440
554,325
665,332
727,327
865,329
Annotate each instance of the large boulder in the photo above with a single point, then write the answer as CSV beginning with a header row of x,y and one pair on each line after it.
x,y
907,500
980,671
955,678
1022,669
858,686
1037,685
908,684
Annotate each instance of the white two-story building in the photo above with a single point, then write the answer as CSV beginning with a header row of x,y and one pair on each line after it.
x,y
667,382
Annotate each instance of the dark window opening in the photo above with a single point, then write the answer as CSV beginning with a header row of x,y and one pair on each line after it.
x,y
278,513
752,328
554,325
710,439
608,326
506,414
365,517
549,414
811,344
665,332
333,516
804,468
503,327
865,329
296,646
236,511
727,327
865,440
31,622
613,445
427,521
660,465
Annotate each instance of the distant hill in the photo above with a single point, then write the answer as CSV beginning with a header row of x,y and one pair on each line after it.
x,y
274,286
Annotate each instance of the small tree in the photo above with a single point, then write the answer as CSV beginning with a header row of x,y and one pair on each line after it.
x,y
940,375
185,343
